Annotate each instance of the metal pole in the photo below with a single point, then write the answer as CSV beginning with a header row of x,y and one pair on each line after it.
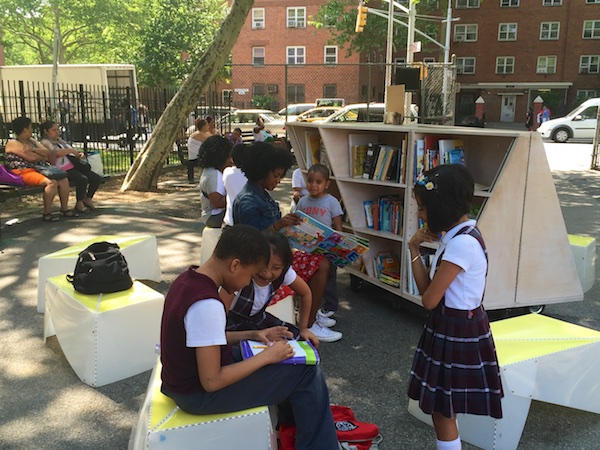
x,y
390,47
446,63
412,14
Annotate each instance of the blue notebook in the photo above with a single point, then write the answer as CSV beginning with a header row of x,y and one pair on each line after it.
x,y
305,352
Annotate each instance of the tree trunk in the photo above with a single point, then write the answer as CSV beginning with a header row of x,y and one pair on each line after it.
x,y
143,174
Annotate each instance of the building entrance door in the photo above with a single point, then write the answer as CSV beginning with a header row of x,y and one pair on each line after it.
x,y
507,114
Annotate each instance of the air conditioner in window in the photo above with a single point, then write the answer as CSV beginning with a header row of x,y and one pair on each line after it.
x,y
541,70
272,88
583,70
259,26
292,24
459,38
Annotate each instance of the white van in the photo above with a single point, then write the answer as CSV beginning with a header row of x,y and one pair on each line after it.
x,y
578,124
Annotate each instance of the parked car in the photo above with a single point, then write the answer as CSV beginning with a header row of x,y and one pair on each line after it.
x,y
292,111
317,114
578,124
359,112
246,120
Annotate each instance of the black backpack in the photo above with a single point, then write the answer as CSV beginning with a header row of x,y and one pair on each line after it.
x,y
101,268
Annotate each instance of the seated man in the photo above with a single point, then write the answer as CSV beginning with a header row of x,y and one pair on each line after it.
x,y
262,135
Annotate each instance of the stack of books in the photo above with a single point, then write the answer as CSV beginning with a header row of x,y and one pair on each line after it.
x,y
386,267
385,163
384,214
431,152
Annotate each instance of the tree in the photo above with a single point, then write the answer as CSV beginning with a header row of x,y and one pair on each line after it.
x,y
339,17
175,38
144,172
82,25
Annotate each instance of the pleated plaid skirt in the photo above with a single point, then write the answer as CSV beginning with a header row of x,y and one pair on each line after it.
x,y
455,368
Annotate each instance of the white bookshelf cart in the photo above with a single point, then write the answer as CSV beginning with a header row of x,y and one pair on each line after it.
x,y
530,259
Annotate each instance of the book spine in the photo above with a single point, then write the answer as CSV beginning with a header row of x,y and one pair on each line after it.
x,y
376,151
368,160
368,206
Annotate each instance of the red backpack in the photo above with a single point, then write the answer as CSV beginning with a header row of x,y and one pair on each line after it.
x,y
351,433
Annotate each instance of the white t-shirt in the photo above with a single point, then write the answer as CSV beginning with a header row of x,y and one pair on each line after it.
x,y
298,182
205,323
466,290
233,180
211,181
261,293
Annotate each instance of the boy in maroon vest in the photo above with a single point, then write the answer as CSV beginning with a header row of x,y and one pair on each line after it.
x,y
204,374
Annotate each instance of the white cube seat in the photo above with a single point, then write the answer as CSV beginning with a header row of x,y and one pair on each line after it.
x,y
584,254
210,237
140,251
162,425
542,359
104,337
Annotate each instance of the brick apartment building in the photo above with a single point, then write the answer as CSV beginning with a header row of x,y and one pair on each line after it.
x,y
277,33
510,51
506,51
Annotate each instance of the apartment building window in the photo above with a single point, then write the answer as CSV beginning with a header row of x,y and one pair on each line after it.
x,y
295,93
467,3
258,89
258,18
429,59
546,64
551,2
465,65
330,54
330,90
296,17
549,31
505,65
226,96
591,29
258,56
589,64
509,3
592,1
584,94
466,33
507,32
295,55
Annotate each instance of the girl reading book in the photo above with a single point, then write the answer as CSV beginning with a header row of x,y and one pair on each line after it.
x,y
455,368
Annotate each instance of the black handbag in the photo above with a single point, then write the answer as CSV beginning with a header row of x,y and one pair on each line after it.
x,y
50,171
80,165
101,268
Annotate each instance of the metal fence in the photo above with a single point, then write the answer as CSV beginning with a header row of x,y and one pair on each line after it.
x,y
117,121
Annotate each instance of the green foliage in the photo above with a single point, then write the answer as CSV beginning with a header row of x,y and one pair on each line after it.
x,y
339,17
264,102
177,28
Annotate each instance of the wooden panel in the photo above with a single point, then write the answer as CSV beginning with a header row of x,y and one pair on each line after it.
x,y
547,272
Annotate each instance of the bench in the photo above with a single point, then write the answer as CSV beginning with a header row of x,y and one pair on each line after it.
x,y
162,425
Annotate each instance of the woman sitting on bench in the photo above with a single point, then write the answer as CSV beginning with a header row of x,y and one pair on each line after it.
x,y
23,154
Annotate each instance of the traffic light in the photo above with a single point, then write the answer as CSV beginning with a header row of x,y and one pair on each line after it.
x,y
361,18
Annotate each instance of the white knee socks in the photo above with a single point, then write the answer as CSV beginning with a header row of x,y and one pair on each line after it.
x,y
449,445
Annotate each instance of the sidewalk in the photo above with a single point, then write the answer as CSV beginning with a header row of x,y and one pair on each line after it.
x,y
44,405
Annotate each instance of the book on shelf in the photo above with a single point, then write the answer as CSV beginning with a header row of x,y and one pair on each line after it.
x,y
419,157
358,154
313,148
384,214
368,206
358,145
380,162
370,159
447,151
386,268
304,352
402,157
312,236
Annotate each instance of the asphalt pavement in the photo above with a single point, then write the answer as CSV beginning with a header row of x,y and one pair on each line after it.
x,y
44,405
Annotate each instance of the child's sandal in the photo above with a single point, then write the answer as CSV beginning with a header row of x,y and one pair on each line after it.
x,y
69,213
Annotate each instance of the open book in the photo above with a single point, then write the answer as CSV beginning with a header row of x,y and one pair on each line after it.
x,y
305,353
312,236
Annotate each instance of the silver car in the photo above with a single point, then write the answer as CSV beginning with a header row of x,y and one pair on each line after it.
x,y
245,119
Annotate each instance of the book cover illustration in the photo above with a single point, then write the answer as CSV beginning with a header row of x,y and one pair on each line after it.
x,y
304,352
313,148
312,236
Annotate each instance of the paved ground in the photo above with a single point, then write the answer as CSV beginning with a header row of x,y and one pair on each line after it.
x,y
44,405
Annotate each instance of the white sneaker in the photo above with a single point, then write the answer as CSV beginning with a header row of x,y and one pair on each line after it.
x,y
327,322
324,313
324,334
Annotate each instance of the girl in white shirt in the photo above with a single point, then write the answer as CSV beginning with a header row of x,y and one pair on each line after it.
x,y
455,368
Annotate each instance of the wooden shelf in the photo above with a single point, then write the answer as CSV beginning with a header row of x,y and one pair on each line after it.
x,y
530,259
